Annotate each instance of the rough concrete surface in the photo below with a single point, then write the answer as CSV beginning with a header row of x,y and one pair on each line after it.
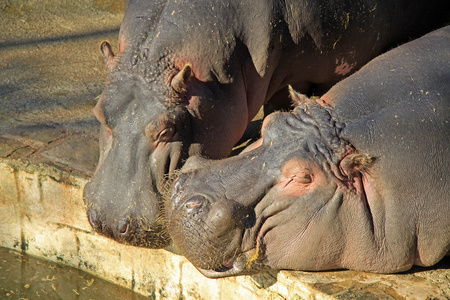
x,y
51,72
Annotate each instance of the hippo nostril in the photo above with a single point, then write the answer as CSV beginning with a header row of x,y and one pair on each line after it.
x,y
194,204
179,182
249,219
93,219
123,227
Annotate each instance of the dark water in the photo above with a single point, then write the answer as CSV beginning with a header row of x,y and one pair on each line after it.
x,y
25,277
113,6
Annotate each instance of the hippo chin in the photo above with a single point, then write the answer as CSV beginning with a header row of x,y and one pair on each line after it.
x,y
190,75
358,179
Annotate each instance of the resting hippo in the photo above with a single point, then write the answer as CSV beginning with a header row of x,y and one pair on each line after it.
x,y
357,179
190,75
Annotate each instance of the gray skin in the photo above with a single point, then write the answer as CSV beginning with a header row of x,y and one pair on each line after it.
x,y
357,179
190,75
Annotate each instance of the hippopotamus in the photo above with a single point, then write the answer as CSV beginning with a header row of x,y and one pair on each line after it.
x,y
356,179
190,75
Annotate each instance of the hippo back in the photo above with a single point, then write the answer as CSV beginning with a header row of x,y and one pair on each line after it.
x,y
405,127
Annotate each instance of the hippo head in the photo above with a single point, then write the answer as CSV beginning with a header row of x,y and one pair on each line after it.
x,y
153,116
274,206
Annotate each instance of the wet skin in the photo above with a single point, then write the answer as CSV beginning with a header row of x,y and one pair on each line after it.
x,y
189,76
357,179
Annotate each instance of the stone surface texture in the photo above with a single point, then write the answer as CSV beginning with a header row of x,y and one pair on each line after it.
x,y
51,74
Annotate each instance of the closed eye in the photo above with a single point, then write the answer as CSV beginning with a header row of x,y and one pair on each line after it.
x,y
166,134
303,179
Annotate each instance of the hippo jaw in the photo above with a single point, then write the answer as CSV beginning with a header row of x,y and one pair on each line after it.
x,y
243,264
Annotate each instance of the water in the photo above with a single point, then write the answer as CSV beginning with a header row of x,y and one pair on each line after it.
x,y
26,277
113,6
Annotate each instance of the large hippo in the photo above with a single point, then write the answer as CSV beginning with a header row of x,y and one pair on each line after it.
x,y
357,179
189,76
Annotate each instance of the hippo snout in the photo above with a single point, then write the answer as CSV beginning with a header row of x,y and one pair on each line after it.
x,y
98,224
178,183
195,205
192,208
94,219
223,215
123,229
126,223
219,222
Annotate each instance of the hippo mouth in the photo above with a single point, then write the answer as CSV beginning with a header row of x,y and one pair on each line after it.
x,y
235,264
243,264
137,232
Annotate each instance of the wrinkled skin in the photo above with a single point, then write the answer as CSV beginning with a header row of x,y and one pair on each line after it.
x,y
190,75
357,179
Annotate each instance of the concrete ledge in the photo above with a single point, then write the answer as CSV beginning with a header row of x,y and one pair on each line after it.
x,y
52,71
42,214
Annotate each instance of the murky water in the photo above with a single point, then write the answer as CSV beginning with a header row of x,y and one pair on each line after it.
x,y
25,277
113,6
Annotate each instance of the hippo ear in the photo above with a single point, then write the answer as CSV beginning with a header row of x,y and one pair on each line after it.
x,y
108,54
297,98
355,163
180,81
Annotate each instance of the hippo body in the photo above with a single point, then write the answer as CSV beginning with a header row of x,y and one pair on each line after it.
x,y
190,75
357,179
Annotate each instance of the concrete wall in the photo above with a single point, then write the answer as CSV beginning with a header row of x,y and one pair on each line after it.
x,y
51,72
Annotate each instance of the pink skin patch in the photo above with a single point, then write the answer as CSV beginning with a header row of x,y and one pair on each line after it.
x,y
299,177
122,43
343,68
252,146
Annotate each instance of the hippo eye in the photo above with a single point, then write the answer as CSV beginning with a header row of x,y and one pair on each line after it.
x,y
160,132
305,178
166,134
